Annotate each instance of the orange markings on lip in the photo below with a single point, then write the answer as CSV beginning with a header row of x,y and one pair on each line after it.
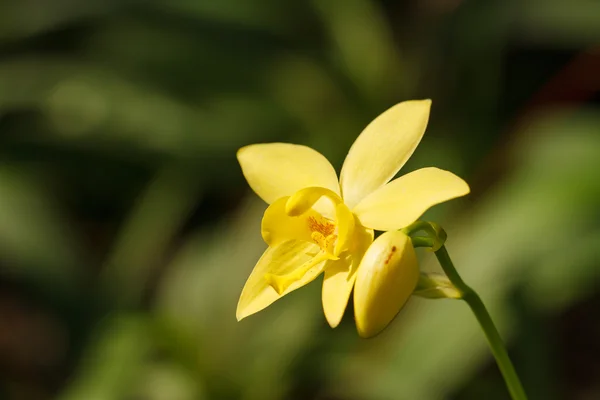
x,y
322,232
325,228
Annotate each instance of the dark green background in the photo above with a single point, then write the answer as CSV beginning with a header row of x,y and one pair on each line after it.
x,y
127,230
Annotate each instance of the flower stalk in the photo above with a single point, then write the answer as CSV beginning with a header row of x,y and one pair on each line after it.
x,y
431,286
471,297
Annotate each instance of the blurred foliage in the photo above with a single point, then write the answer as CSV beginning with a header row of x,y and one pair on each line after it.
x,y
127,230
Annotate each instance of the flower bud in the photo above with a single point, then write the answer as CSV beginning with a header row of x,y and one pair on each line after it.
x,y
386,278
436,286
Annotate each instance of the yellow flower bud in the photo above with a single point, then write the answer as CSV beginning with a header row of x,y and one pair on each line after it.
x,y
386,277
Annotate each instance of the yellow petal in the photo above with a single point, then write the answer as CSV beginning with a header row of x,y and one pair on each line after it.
x,y
278,260
345,223
304,199
402,201
277,226
281,282
340,276
276,170
386,277
382,149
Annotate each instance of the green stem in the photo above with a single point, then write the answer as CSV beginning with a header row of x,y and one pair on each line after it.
x,y
487,325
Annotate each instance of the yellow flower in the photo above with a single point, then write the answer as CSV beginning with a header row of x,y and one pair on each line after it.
x,y
315,224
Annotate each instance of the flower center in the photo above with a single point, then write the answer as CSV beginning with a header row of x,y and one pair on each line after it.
x,y
322,233
332,238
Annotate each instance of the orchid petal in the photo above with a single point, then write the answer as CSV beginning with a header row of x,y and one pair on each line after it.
x,y
402,201
278,260
382,149
340,276
275,170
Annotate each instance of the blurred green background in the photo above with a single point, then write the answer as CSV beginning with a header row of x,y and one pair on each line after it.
x,y
127,230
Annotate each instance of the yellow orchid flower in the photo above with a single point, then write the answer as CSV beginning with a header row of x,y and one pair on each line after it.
x,y
315,224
